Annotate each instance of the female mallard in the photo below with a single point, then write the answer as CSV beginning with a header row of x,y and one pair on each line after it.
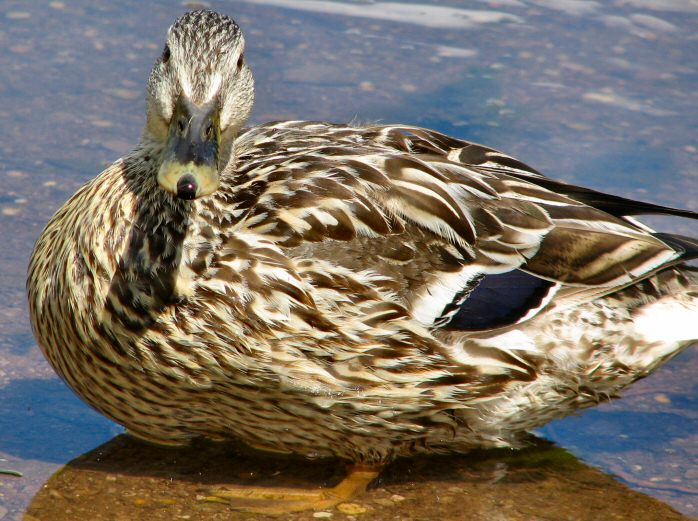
x,y
364,292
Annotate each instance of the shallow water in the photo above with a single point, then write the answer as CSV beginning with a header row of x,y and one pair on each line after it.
x,y
601,94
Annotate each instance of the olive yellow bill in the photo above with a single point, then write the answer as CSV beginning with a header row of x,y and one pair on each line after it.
x,y
189,168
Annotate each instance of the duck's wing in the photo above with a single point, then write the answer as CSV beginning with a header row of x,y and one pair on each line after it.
x,y
458,229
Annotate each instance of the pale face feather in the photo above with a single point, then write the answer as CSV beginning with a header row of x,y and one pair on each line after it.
x,y
203,60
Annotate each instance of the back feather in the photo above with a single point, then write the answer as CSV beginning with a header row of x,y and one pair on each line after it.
x,y
447,223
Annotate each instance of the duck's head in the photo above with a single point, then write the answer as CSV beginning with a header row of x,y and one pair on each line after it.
x,y
200,93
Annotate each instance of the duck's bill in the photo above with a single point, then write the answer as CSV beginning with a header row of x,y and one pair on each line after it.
x,y
188,180
189,168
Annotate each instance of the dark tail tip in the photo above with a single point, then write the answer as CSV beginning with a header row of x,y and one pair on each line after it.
x,y
687,247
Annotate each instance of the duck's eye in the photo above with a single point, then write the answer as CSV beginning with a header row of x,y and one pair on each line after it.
x,y
181,124
209,131
241,60
166,54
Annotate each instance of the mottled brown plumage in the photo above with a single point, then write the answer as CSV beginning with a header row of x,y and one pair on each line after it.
x,y
344,290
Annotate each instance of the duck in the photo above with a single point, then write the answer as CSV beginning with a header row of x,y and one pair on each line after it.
x,y
360,292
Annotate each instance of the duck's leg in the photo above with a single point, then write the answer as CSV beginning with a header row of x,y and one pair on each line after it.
x,y
271,500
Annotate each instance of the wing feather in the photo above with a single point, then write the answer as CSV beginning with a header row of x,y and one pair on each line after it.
x,y
459,210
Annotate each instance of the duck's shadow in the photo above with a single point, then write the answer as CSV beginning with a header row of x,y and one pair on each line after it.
x,y
131,480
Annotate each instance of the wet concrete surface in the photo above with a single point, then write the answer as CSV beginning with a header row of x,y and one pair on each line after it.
x,y
125,479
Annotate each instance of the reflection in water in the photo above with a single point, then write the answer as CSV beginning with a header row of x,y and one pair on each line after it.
x,y
131,480
435,16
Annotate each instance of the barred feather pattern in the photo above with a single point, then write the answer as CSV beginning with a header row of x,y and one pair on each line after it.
x,y
300,308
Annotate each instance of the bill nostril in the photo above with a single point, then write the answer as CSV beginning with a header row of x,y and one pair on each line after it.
x,y
187,187
182,124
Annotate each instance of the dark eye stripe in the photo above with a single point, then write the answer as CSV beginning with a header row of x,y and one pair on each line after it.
x,y
166,54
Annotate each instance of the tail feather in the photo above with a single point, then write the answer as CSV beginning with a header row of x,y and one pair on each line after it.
x,y
613,204
687,247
